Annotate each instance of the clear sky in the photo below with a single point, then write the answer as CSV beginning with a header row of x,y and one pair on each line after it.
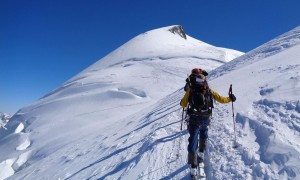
x,y
43,43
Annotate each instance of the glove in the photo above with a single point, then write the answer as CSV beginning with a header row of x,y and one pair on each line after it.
x,y
232,97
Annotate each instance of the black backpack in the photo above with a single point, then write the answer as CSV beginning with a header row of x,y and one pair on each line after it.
x,y
200,98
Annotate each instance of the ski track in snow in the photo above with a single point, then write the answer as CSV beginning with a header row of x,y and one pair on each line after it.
x,y
162,151
160,146
157,149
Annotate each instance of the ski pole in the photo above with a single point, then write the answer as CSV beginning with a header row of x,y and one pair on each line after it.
x,y
230,93
182,119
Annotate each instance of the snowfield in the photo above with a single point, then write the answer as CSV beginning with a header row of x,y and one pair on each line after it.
x,y
120,118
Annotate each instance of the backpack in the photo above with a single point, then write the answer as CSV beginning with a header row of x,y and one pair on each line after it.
x,y
200,98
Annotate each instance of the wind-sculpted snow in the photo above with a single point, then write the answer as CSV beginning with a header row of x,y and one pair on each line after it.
x,y
276,132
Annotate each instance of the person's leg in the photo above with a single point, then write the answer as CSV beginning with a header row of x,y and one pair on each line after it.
x,y
193,142
204,123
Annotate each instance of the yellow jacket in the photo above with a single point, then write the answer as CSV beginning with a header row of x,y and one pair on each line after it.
x,y
216,96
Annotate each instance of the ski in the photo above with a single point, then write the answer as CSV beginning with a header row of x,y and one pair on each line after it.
x,y
194,177
201,172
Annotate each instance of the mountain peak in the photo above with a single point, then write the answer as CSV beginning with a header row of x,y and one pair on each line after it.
x,y
169,42
178,30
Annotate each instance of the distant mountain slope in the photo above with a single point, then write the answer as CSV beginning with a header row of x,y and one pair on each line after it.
x,y
277,45
42,138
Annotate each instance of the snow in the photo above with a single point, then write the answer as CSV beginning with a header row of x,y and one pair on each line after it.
x,y
4,118
120,118
5,168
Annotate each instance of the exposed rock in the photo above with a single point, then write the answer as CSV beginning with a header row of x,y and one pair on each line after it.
x,y
178,30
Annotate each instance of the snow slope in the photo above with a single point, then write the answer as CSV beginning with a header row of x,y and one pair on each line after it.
x,y
99,123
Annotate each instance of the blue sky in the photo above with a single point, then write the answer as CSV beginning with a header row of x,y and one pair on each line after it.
x,y
44,43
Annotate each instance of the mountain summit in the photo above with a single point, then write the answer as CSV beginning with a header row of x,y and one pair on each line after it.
x,y
166,43
63,133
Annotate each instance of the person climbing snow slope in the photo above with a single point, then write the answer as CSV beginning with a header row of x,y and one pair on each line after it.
x,y
198,100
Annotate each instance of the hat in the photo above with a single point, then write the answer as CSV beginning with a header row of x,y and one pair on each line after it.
x,y
196,71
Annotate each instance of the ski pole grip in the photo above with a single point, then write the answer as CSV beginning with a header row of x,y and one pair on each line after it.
x,y
230,89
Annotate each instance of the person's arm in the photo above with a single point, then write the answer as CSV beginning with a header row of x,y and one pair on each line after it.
x,y
184,101
219,98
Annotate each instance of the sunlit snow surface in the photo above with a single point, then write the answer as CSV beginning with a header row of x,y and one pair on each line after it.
x,y
120,118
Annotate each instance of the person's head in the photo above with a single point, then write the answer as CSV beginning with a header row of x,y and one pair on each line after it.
x,y
196,71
